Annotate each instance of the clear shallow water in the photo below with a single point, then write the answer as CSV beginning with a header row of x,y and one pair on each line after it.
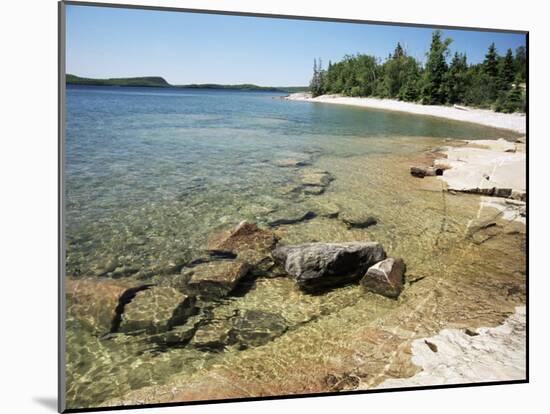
x,y
151,173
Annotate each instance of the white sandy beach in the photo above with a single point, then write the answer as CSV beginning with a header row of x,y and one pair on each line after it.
x,y
513,122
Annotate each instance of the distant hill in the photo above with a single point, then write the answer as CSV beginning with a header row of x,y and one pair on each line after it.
x,y
151,81
245,87
159,82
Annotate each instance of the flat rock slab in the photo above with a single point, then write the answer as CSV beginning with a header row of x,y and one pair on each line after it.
x,y
486,168
94,302
385,278
156,309
321,265
215,278
250,243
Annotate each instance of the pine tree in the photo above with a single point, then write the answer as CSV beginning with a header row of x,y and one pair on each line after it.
x,y
398,52
433,92
457,79
507,70
490,65
521,63
316,84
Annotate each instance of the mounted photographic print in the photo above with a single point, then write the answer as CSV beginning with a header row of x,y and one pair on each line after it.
x,y
258,206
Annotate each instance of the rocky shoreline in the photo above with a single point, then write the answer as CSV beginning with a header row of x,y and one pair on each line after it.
x,y
457,356
179,305
496,169
168,306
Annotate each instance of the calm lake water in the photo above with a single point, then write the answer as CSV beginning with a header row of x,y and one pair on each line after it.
x,y
152,173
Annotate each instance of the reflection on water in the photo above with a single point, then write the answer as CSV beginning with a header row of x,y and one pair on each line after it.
x,y
151,175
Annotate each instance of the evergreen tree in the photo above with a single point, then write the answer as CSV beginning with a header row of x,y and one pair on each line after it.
x,y
398,52
496,82
433,91
490,64
507,71
491,72
316,84
521,63
457,79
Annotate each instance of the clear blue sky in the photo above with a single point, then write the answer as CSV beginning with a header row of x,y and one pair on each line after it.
x,y
200,48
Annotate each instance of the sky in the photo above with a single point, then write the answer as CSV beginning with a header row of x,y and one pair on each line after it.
x,y
185,48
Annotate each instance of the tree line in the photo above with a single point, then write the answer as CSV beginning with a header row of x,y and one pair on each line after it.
x,y
498,82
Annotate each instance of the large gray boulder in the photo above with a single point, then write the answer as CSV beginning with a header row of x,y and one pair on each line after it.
x,y
321,265
385,278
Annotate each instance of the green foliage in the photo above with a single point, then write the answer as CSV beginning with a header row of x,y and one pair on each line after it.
x,y
457,79
511,101
496,82
490,64
507,71
520,63
434,90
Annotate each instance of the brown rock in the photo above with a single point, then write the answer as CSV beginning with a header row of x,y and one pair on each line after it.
x,y
216,278
250,243
385,278
94,301
156,309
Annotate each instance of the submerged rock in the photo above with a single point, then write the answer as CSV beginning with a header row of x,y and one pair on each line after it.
x,y
315,177
94,302
358,220
385,278
108,266
246,329
156,309
212,336
178,335
329,210
313,189
293,218
321,265
215,278
292,162
253,328
480,231
250,243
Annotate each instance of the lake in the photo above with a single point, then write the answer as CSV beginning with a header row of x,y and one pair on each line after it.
x,y
151,174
